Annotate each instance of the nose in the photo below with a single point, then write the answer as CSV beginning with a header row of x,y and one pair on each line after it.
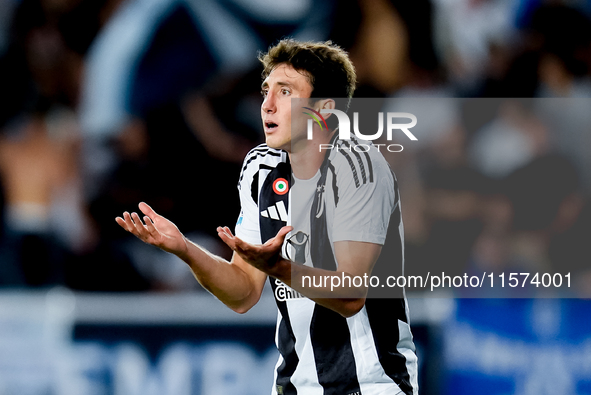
x,y
269,105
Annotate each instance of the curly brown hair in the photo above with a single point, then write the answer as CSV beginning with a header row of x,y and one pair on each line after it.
x,y
326,65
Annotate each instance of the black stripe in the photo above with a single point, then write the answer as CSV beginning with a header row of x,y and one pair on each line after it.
x,y
355,177
396,195
286,347
384,310
260,148
361,166
254,188
266,167
369,165
382,315
253,158
269,228
331,343
320,245
335,188
391,259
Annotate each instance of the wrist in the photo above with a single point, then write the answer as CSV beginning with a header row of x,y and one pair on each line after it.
x,y
282,270
183,252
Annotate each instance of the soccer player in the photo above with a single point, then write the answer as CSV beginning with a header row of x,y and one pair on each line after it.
x,y
342,208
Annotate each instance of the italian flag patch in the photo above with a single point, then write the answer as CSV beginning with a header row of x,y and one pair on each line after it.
x,y
280,186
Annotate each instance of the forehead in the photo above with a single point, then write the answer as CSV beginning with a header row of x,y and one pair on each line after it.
x,y
285,74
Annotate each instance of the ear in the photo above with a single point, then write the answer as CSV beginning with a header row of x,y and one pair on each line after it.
x,y
326,104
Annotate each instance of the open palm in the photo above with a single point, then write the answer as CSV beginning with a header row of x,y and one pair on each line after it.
x,y
262,256
155,230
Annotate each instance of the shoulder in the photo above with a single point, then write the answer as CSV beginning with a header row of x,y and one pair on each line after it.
x,y
261,155
263,150
359,161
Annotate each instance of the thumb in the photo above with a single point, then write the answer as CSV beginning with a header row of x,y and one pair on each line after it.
x,y
147,210
280,237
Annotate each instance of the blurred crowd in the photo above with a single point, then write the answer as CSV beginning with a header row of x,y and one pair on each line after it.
x,y
106,103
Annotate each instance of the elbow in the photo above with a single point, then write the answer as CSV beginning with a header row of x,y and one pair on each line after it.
x,y
352,307
241,309
243,306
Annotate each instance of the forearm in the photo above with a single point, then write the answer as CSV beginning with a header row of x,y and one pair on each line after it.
x,y
322,287
235,283
225,280
355,259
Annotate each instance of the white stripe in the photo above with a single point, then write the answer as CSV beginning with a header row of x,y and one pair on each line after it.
x,y
355,166
401,233
273,212
305,377
280,359
264,214
370,373
282,212
289,208
406,347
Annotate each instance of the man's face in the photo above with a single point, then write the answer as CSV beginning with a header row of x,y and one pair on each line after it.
x,y
278,88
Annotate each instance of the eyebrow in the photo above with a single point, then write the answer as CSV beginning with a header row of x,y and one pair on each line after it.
x,y
265,84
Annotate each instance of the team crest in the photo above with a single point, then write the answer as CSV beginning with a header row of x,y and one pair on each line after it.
x,y
280,186
297,247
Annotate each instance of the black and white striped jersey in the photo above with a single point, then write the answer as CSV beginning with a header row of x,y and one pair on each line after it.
x,y
354,196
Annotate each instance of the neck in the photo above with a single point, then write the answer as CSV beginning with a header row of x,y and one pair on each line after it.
x,y
306,157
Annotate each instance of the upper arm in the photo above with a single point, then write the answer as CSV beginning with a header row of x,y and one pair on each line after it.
x,y
366,200
356,257
362,215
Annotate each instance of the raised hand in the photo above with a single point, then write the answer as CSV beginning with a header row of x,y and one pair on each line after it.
x,y
264,257
155,230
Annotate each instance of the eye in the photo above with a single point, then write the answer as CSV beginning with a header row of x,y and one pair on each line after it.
x,y
285,91
264,92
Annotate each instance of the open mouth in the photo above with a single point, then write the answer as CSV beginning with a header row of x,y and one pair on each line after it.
x,y
271,126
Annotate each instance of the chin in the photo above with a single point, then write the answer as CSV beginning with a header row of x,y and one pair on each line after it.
x,y
274,143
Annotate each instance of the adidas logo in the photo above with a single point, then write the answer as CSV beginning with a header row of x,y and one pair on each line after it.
x,y
276,211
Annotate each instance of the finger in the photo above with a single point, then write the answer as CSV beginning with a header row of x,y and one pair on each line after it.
x,y
140,227
283,231
280,237
150,226
127,218
222,230
242,246
225,238
147,210
129,225
226,231
121,222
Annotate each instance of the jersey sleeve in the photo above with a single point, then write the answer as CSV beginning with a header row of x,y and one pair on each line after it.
x,y
366,198
247,225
